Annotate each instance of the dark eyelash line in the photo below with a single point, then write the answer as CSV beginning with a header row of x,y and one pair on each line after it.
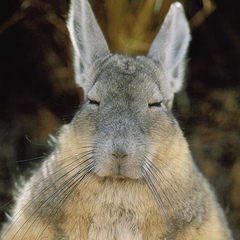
x,y
155,104
93,102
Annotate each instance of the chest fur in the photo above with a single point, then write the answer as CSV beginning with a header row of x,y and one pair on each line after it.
x,y
107,223
113,214
122,229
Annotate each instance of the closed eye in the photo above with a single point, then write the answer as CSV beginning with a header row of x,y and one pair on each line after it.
x,y
155,104
93,102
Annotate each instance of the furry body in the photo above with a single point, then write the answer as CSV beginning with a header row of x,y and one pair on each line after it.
x,y
122,169
115,208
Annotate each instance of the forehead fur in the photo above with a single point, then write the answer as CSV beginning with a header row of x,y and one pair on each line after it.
x,y
135,69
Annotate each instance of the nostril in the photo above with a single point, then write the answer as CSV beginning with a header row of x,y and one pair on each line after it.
x,y
119,154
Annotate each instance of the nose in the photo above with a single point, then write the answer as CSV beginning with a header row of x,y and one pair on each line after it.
x,y
119,154
119,159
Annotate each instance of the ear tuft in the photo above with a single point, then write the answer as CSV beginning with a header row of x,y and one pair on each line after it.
x,y
170,46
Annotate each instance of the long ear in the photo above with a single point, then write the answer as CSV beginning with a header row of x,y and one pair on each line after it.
x,y
171,44
87,39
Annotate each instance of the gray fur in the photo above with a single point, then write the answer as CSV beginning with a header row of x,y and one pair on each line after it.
x,y
122,169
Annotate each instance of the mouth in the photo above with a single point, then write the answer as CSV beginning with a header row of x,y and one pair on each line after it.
x,y
119,179
118,176
115,172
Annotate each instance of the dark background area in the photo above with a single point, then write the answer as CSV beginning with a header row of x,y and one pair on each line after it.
x,y
38,93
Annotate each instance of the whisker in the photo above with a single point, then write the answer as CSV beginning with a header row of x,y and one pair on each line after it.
x,y
151,168
66,187
43,156
161,173
152,188
47,200
19,214
66,194
60,169
148,165
23,160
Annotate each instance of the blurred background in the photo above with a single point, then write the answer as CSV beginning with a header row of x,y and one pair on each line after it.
x,y
38,94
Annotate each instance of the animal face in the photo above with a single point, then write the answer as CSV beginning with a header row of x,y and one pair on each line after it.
x,y
129,113
128,99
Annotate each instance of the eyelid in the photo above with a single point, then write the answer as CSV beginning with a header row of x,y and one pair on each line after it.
x,y
155,104
94,102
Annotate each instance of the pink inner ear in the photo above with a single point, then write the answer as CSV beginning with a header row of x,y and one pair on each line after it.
x,y
87,37
171,44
